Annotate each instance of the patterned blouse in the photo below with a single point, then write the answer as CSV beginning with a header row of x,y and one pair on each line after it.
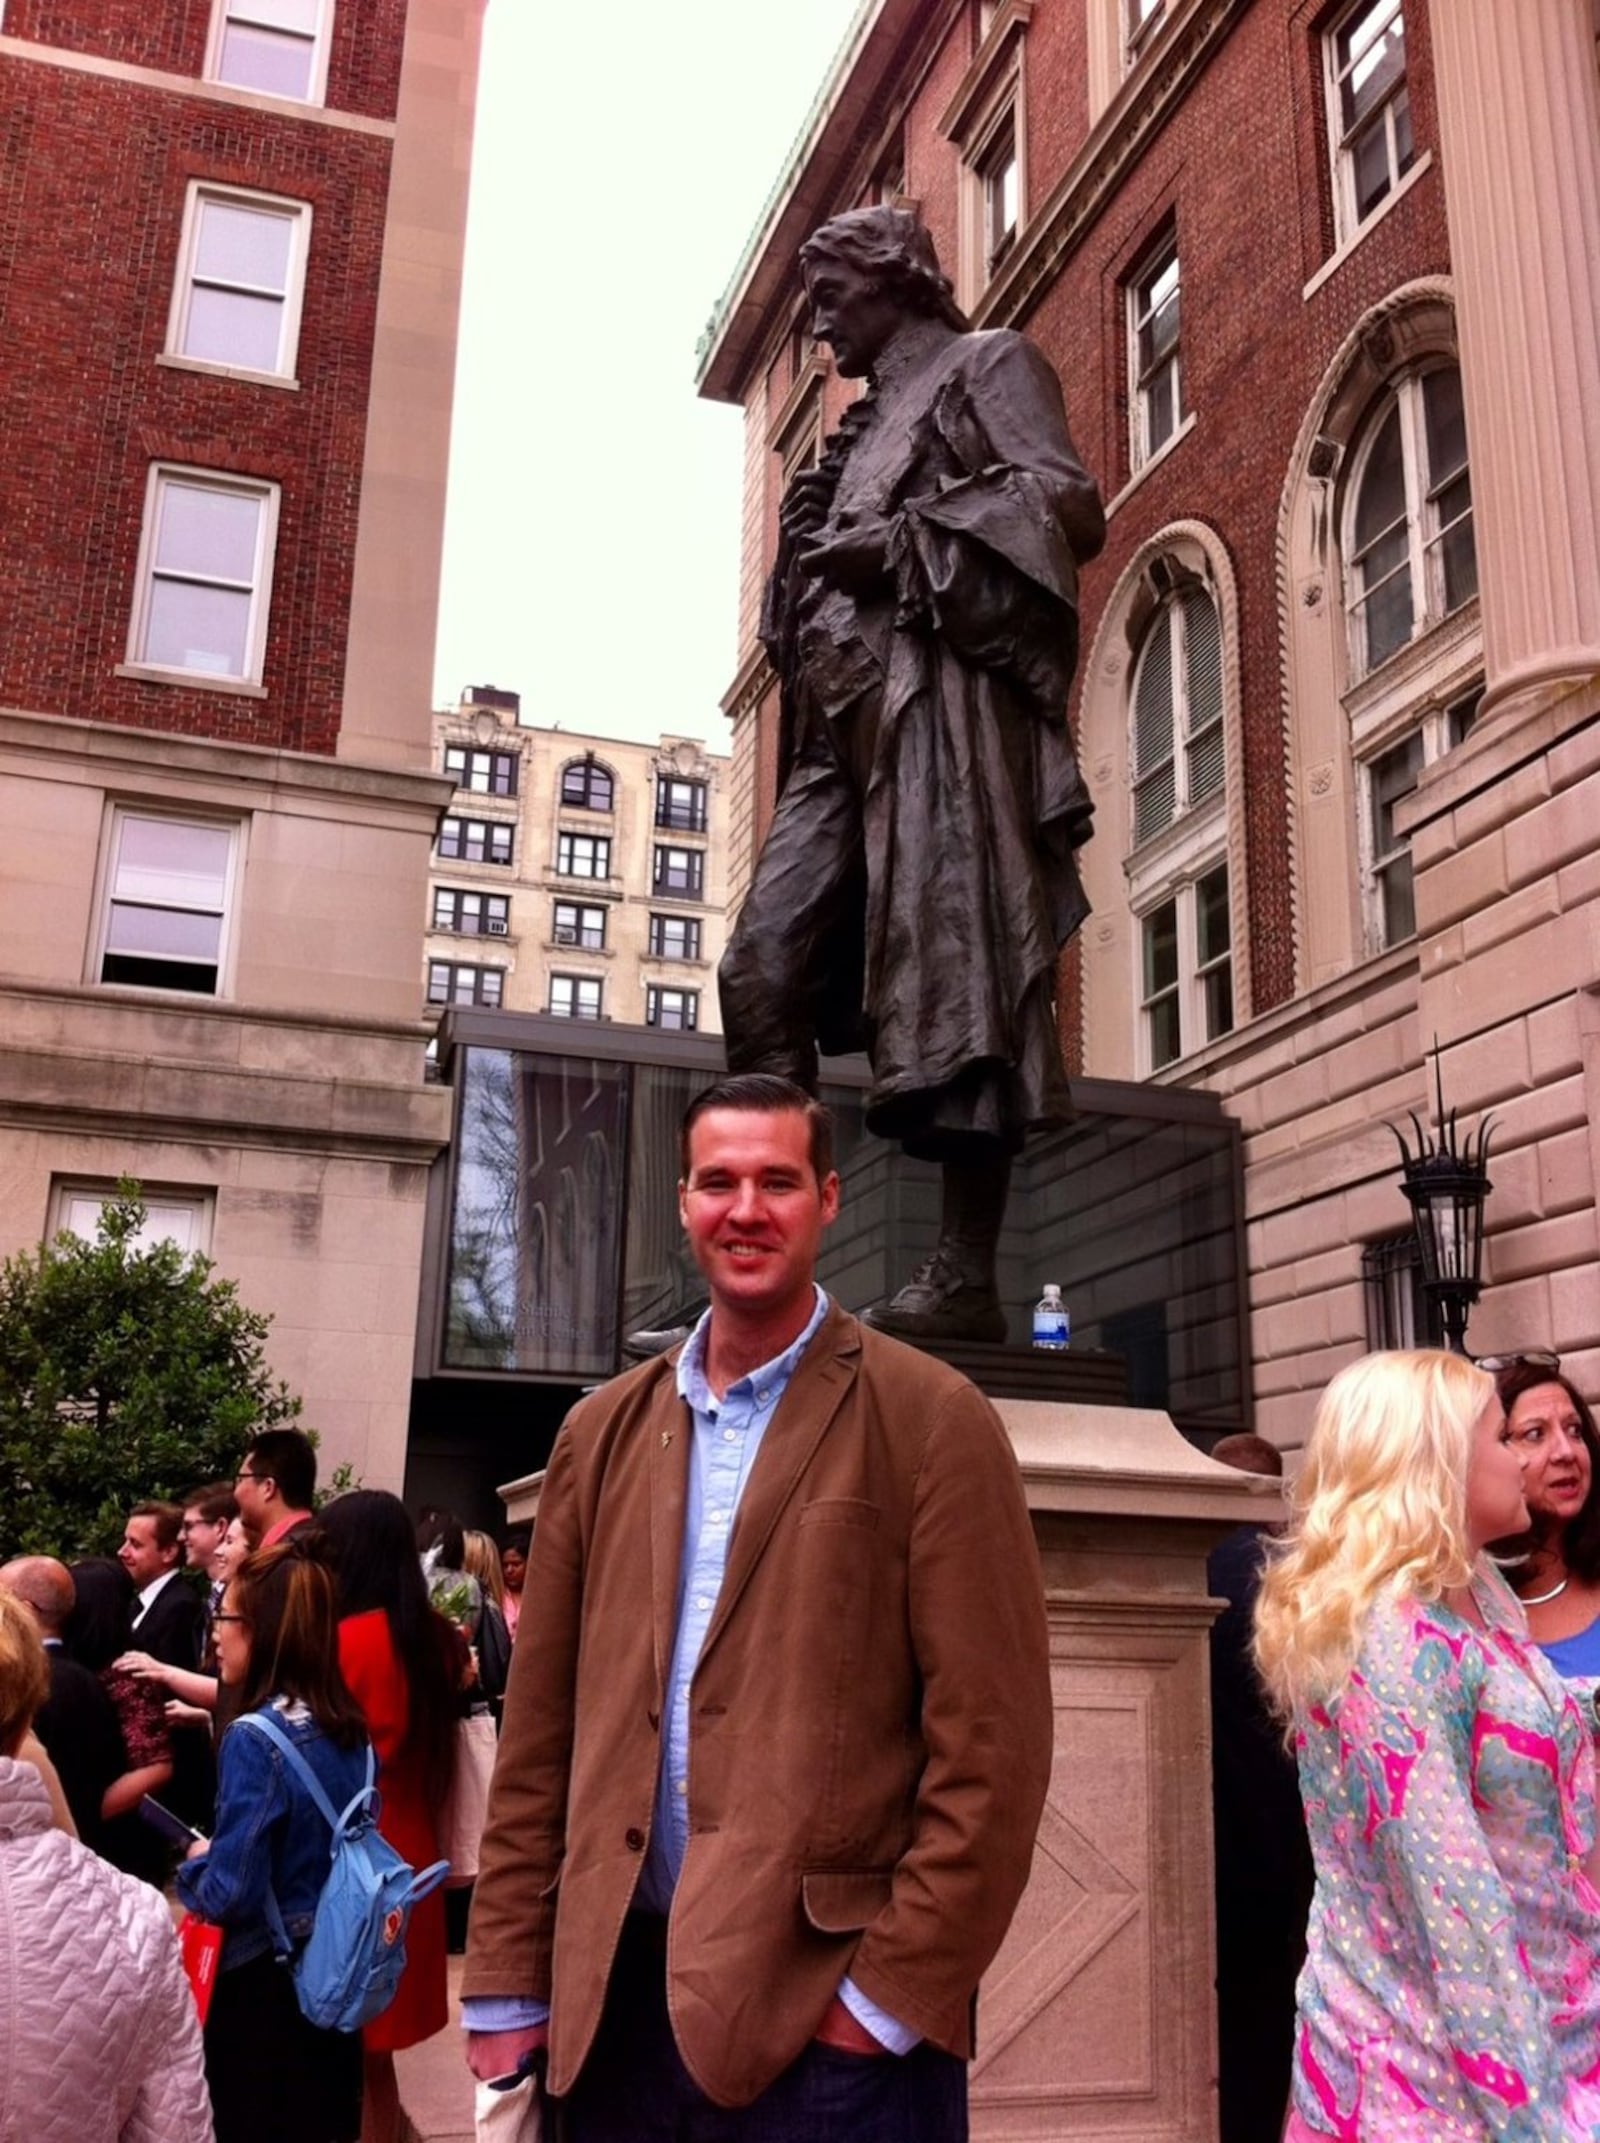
x,y
1451,1991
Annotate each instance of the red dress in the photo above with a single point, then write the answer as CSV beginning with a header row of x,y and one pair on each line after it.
x,y
377,1682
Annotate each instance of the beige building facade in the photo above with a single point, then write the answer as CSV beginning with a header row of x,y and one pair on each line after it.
x,y
214,894
580,876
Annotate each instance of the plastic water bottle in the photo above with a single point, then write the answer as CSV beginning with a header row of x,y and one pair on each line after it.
x,y
1052,1327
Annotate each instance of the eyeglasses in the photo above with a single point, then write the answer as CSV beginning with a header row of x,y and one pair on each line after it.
x,y
247,1475
215,1619
1529,1358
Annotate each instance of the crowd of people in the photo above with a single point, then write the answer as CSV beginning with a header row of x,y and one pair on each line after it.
x,y
121,1679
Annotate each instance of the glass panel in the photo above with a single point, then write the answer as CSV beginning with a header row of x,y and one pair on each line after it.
x,y
1159,305
196,628
229,327
1445,419
1161,409
1161,949
1165,1046
1399,901
167,860
1393,776
163,933
246,246
1381,502
1213,934
536,1229
1218,988
211,534
1372,58
278,65
277,14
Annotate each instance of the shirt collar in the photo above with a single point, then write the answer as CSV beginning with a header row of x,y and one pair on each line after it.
x,y
692,1385
148,1592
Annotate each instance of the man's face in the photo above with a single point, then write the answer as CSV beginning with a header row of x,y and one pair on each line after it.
x,y
200,1537
849,312
253,1493
753,1209
142,1556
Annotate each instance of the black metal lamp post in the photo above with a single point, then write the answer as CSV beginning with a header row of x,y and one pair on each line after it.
x,y
1447,1183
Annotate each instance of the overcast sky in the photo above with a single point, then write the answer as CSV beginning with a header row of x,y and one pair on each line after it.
x,y
623,155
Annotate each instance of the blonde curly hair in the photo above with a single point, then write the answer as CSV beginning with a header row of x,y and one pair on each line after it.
x,y
1380,1503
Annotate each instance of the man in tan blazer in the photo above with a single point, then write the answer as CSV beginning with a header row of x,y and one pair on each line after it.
x,y
778,1730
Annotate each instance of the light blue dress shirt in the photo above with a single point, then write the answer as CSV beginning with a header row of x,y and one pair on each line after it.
x,y
727,1434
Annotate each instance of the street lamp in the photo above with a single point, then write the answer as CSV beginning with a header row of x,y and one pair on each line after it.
x,y
1447,1184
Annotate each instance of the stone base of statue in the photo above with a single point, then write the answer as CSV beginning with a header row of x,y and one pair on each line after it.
x,y
1084,1376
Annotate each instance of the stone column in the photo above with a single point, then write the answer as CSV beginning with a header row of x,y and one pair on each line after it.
x,y
1098,2016
1519,124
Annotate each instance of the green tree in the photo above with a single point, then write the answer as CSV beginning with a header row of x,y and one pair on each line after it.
x,y
124,1373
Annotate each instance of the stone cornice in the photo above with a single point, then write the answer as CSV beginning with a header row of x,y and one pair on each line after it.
x,y
1152,91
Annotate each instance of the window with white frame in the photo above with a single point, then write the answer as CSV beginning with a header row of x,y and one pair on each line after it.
x,y
169,894
475,841
1155,389
578,924
675,937
583,855
204,576
575,996
458,982
241,274
483,773
680,870
999,176
1369,109
586,785
1186,959
1409,554
279,47
1177,743
1143,19
1388,777
671,1008
478,915
181,1217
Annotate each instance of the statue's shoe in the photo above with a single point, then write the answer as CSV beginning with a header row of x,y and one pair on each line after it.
x,y
938,1303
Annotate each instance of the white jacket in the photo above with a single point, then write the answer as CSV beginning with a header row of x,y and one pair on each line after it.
x,y
99,2042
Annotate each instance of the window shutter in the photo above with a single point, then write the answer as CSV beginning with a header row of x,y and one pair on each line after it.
x,y
1154,787
1203,648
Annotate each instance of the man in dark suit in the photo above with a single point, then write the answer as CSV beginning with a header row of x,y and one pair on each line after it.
x,y
77,1723
169,1620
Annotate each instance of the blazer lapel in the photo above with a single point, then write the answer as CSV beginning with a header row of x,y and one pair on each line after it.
x,y
805,1414
670,1431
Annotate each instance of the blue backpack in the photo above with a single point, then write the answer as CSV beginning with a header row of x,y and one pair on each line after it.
x,y
349,1969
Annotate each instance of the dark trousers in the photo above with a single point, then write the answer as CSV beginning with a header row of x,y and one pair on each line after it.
x,y
635,2089
273,2077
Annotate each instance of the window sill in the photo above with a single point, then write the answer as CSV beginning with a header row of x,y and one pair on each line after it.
x,y
243,374
1149,467
195,680
1347,246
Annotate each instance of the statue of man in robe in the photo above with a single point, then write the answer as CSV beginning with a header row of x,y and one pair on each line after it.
x,y
919,879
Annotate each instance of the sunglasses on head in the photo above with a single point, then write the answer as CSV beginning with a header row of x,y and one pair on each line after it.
x,y
1529,1358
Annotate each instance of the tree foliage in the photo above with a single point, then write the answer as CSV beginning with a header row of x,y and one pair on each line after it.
x,y
124,1374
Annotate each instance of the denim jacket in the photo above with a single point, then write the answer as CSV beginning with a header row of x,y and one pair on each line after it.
x,y
268,1830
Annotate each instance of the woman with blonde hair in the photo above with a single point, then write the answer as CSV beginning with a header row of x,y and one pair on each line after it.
x,y
1452,1983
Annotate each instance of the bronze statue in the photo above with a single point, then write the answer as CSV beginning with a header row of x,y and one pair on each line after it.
x,y
919,880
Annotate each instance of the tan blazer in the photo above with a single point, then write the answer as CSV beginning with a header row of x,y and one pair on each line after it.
x,y
870,1726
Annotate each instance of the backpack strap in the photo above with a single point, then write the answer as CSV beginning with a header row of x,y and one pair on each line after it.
x,y
337,1824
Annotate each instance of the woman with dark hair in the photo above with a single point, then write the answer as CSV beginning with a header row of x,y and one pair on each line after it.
x,y
274,2077
514,1569
1549,1421
96,1635
402,1662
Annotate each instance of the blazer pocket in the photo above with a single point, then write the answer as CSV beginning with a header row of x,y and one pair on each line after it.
x,y
841,1901
840,1510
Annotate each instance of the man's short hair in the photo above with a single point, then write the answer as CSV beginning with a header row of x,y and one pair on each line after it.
x,y
213,1502
763,1094
287,1457
168,1521
1249,1454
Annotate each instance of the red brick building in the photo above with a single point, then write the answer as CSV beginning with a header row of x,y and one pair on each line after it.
x,y
1317,279
230,247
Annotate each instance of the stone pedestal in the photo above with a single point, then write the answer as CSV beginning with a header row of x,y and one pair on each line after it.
x,y
1097,2019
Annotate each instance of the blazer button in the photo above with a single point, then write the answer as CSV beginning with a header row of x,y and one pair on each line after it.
x,y
635,1841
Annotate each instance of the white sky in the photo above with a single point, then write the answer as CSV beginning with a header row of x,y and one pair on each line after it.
x,y
623,155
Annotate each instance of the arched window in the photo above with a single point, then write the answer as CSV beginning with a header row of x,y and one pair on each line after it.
x,y
1409,557
586,785
1177,753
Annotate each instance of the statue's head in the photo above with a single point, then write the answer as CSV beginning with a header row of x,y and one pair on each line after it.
x,y
865,273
